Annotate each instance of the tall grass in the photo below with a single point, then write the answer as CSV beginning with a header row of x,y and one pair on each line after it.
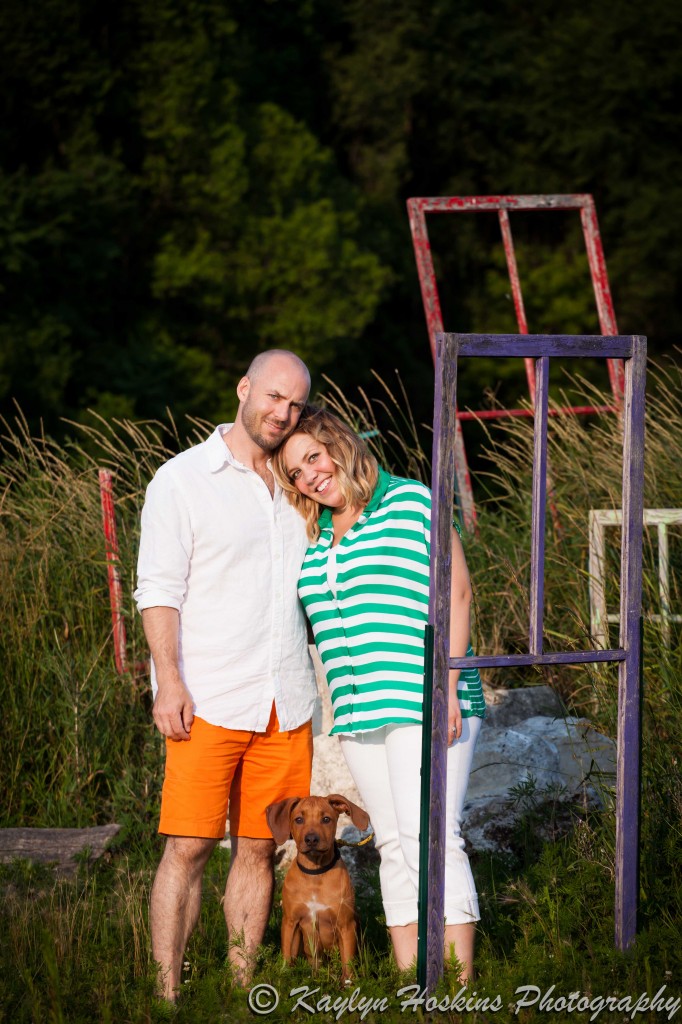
x,y
79,747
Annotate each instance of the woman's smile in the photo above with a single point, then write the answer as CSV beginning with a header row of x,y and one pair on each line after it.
x,y
312,471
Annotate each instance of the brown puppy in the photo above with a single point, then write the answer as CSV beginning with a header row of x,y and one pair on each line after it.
x,y
318,904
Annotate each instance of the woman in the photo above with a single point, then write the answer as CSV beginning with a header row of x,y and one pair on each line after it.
x,y
365,588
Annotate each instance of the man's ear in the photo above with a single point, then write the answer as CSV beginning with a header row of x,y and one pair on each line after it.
x,y
243,389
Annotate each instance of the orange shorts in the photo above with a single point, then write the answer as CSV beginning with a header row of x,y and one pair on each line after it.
x,y
217,767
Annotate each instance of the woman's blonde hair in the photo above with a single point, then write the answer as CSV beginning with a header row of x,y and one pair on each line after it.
x,y
357,469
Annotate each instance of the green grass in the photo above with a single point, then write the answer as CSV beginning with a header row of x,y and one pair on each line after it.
x,y
79,747
78,951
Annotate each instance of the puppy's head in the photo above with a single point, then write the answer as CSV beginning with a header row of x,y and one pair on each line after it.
x,y
311,820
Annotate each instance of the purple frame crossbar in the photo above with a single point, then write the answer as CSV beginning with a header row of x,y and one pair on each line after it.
x,y
450,348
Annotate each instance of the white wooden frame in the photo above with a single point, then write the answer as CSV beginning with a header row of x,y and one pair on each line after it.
x,y
599,518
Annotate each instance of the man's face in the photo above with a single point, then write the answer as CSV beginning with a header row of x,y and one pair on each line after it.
x,y
272,402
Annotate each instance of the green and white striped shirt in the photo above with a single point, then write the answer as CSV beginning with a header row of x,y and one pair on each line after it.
x,y
370,636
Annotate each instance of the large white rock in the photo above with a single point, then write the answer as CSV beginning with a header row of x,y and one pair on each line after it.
x,y
541,759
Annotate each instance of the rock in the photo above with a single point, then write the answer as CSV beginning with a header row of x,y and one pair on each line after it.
x,y
507,707
504,758
323,718
330,771
587,758
359,858
540,759
527,746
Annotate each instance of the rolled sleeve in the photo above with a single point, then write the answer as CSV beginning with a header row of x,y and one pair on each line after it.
x,y
165,545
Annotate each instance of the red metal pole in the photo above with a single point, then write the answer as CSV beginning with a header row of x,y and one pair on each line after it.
x,y
564,410
602,291
426,272
517,295
112,554
434,324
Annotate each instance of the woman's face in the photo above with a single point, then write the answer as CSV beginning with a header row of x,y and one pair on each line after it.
x,y
311,470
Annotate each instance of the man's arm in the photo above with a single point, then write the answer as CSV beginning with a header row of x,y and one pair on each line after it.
x,y
173,707
163,567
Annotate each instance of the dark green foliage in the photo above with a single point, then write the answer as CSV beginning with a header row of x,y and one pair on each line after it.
x,y
183,182
159,224
481,98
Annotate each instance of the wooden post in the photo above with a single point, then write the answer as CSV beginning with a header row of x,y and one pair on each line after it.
x,y
537,541
443,479
627,771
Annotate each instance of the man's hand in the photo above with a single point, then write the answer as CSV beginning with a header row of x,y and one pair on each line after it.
x,y
454,711
173,710
173,707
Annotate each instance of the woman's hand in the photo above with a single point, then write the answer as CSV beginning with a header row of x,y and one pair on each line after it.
x,y
454,710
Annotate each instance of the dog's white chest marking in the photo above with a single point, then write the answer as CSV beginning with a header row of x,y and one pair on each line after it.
x,y
314,907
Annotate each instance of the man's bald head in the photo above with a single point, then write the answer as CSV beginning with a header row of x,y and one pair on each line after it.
x,y
272,395
268,360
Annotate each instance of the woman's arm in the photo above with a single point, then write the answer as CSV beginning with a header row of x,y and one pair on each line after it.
x,y
460,627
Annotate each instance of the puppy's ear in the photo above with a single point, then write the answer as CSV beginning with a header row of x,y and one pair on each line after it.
x,y
277,817
356,814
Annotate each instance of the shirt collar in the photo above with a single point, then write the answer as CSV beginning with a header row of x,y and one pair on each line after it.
x,y
379,491
384,479
218,452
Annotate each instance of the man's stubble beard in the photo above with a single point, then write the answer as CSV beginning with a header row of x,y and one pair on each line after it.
x,y
249,423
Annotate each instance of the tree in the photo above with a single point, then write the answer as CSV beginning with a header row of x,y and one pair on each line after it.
x,y
494,98
167,227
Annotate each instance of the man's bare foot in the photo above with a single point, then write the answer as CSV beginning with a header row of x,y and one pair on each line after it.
x,y
242,965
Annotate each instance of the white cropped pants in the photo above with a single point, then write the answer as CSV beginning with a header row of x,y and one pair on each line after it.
x,y
386,768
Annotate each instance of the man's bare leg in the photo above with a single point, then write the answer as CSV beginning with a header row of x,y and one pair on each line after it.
x,y
175,905
248,901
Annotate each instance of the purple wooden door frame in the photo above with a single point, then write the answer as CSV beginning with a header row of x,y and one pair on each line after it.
x,y
450,348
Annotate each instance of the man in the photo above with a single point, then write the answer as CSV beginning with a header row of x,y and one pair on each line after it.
x,y
234,686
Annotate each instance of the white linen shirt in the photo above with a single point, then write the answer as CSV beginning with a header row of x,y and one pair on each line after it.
x,y
227,555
